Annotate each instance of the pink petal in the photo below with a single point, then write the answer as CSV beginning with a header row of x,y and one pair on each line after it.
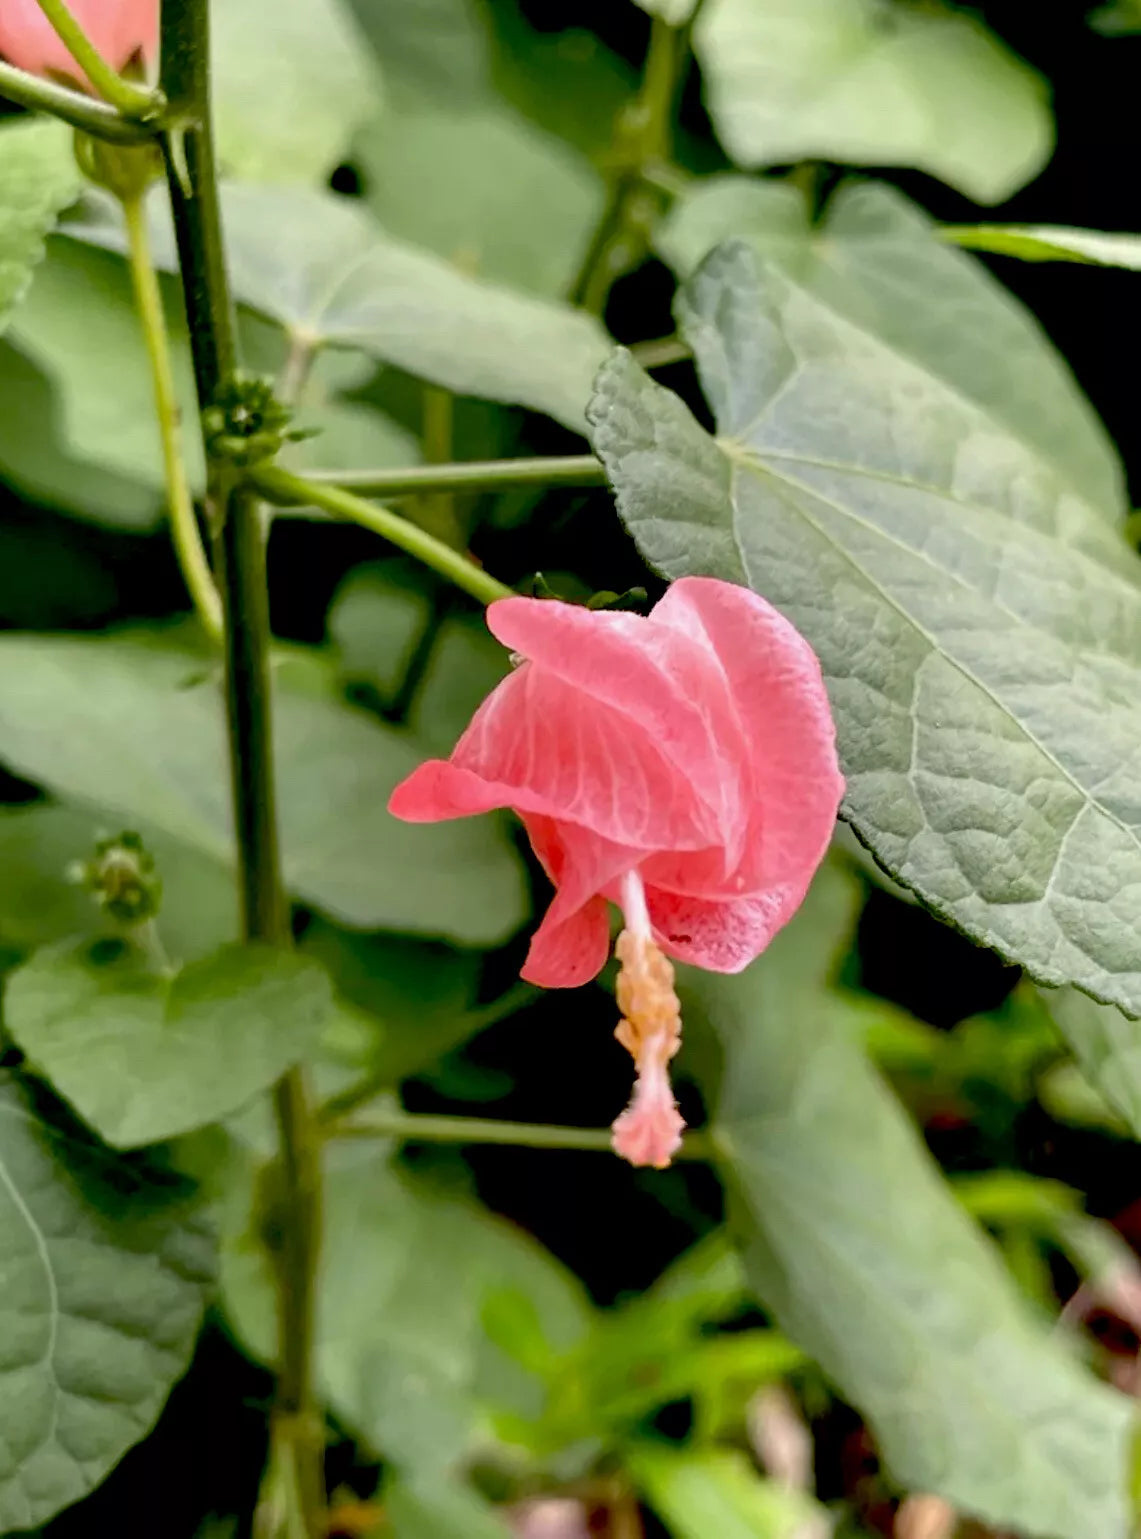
x,y
774,676
571,945
564,757
568,952
118,28
665,691
722,935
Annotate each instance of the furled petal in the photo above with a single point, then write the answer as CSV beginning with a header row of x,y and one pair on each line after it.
x,y
571,945
774,677
567,952
565,757
663,690
118,28
723,936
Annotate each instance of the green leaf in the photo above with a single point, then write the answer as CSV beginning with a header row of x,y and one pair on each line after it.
x,y
143,1055
104,1278
320,266
137,730
508,202
431,1510
405,1273
1107,1046
39,904
430,49
676,12
852,1238
716,1491
978,624
38,177
891,84
420,995
1049,243
878,260
288,96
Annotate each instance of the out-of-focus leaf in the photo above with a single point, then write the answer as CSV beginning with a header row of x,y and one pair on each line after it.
x,y
676,12
39,904
137,729
434,1510
716,1491
508,202
420,996
886,84
1117,19
853,1240
405,1273
877,259
38,177
290,89
430,49
144,1055
321,267
1048,243
378,622
977,622
1107,1046
104,1281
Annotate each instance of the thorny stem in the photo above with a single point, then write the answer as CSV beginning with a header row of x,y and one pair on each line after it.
x,y
183,521
414,1127
287,489
297,1435
131,100
99,119
477,476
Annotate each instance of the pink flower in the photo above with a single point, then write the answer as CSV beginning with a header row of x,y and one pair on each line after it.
x,y
682,766
118,28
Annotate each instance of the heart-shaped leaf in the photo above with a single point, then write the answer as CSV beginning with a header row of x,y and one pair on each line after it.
x,y
887,84
978,624
104,1272
145,1055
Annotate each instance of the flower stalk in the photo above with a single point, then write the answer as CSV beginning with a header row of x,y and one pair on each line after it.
x,y
131,101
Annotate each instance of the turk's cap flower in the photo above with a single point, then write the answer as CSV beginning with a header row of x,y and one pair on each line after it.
x,y
681,763
120,30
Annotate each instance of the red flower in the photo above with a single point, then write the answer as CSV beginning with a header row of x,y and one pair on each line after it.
x,y
682,766
118,28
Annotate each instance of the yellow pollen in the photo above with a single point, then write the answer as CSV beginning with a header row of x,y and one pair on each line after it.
x,y
651,1011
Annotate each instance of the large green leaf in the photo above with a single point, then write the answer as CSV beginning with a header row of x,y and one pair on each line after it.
x,y
289,89
37,178
854,1241
40,843
433,49
144,1054
508,201
873,84
405,1273
137,729
104,1275
320,266
1049,243
979,626
878,260
328,274
436,1510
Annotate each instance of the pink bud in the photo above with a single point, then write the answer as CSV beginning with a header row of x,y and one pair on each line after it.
x,y
120,29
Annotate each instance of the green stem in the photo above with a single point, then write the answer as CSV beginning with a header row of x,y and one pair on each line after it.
x,y
131,100
99,119
477,476
297,1433
289,490
183,522
414,1127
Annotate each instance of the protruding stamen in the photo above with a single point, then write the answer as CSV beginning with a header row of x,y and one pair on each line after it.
x,y
649,1131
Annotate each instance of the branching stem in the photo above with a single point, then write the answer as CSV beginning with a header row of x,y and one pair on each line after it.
x,y
131,101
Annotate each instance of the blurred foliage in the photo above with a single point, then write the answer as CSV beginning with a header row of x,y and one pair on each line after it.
x,y
904,1193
